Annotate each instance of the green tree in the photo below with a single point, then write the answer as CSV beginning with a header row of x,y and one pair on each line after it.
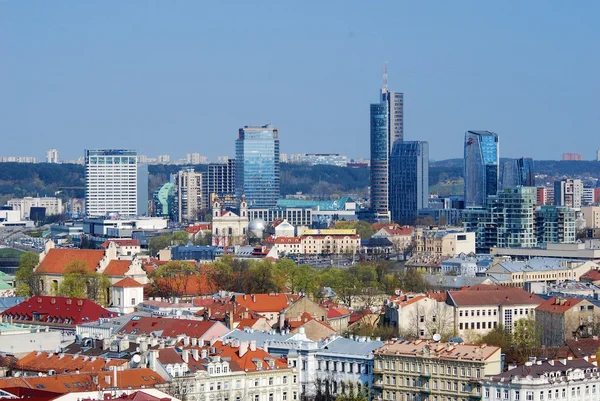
x,y
158,243
81,282
526,338
499,337
180,238
261,278
28,281
97,286
299,278
172,279
412,280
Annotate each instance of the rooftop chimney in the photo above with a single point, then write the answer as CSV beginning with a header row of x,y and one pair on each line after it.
x,y
243,348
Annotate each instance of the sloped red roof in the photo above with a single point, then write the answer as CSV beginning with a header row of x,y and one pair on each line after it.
x,y
247,362
58,258
558,304
399,231
168,356
592,275
167,327
337,312
120,242
196,228
127,282
117,268
61,363
263,302
483,294
61,310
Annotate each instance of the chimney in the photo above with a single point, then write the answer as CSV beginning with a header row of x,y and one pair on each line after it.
x,y
243,348
195,353
253,345
253,298
194,341
186,341
152,357
185,355
115,376
204,354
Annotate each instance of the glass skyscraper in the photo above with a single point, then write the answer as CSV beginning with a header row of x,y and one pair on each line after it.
x,y
518,172
257,165
409,180
481,167
387,127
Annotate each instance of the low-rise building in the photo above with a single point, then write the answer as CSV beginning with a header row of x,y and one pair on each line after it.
x,y
126,248
444,242
51,205
464,265
545,380
425,370
563,319
327,242
419,315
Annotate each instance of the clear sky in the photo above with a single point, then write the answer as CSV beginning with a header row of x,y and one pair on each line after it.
x,y
182,76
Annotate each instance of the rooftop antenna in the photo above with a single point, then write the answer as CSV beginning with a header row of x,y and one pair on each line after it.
x,y
384,89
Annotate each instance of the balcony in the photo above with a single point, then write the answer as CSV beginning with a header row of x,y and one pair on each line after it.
x,y
425,391
475,396
425,375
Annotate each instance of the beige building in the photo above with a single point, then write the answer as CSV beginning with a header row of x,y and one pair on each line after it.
x,y
400,237
317,242
563,319
52,205
425,370
189,195
444,242
539,270
228,228
591,215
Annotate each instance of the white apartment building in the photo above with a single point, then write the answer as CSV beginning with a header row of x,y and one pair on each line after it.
x,y
111,182
18,159
564,380
189,195
52,205
52,156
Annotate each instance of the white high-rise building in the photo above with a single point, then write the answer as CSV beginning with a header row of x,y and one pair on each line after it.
x,y
52,156
164,159
111,182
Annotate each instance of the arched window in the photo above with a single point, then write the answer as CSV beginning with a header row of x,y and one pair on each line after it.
x,y
230,231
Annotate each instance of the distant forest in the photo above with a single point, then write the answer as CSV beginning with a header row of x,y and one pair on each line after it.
x,y
67,180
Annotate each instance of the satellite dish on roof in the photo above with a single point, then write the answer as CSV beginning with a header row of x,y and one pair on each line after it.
x,y
137,358
437,337
178,313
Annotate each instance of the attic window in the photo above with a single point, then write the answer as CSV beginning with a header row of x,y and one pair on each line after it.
x,y
53,301
80,302
69,301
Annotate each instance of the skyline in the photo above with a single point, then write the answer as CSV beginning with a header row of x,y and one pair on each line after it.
x,y
80,76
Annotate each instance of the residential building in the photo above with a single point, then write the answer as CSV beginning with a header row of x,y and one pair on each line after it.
x,y
516,217
195,158
219,180
18,159
126,248
173,328
545,196
51,205
257,165
164,159
551,379
588,250
387,127
111,185
142,190
127,294
229,228
481,167
444,242
267,305
52,156
555,224
591,214
481,308
165,201
401,238
465,266
331,159
588,196
189,195
572,156
561,319
568,192
19,338
518,172
426,370
408,180
327,242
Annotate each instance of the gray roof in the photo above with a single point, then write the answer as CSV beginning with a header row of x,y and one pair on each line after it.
x,y
437,280
115,323
349,346
538,369
537,264
259,336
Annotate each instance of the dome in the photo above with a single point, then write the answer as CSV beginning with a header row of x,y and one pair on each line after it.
x,y
257,225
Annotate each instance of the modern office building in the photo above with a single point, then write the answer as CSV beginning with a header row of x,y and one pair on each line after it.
x,y
568,193
189,195
142,189
387,127
257,165
516,217
165,201
409,182
111,182
518,172
331,159
52,156
555,225
481,167
219,180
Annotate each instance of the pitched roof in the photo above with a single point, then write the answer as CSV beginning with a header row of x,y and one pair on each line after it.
x,y
167,327
168,356
402,231
44,362
442,350
58,258
127,282
483,294
581,347
263,302
120,242
58,310
537,370
558,304
247,362
592,275
338,312
196,228
117,268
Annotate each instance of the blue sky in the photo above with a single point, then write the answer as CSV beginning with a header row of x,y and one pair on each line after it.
x,y
182,76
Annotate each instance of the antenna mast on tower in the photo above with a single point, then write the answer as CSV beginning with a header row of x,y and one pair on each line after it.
x,y
384,88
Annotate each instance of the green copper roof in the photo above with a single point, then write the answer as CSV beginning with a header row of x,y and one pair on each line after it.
x,y
332,205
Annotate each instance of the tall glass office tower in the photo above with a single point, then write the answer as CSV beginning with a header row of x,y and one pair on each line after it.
x,y
409,180
481,167
257,165
111,182
518,172
387,127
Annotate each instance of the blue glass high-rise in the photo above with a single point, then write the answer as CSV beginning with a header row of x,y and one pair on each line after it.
x,y
257,165
480,167
409,180
518,172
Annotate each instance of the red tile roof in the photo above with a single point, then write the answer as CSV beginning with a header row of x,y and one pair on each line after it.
x,y
135,396
558,304
127,282
399,231
120,242
493,295
262,303
592,275
338,312
165,327
44,362
196,228
57,259
168,356
117,268
58,310
247,362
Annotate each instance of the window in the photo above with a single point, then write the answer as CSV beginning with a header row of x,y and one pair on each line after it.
x,y
529,396
270,381
271,397
284,396
294,379
517,394
505,395
284,379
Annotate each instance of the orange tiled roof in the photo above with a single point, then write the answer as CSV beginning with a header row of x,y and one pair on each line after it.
x,y
167,327
120,242
44,362
399,231
558,304
127,282
58,258
592,275
247,362
196,228
263,302
117,268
